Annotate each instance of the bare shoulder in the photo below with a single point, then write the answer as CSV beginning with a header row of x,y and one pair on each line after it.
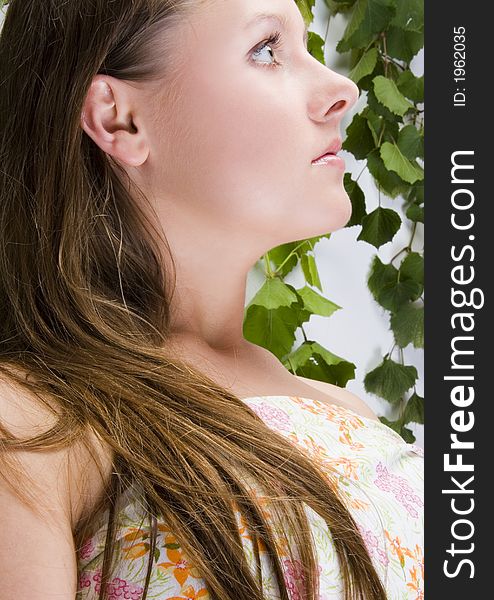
x,y
343,396
72,476
22,414
35,499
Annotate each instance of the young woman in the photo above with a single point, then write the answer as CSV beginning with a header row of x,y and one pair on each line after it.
x,y
151,151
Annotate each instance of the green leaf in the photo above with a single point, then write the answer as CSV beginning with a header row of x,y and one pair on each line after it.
x,y
297,249
408,326
305,7
389,287
411,86
317,304
416,194
315,46
394,296
281,253
365,65
410,142
380,226
404,432
359,140
412,267
409,15
390,380
273,294
313,361
415,213
402,44
355,55
407,435
375,123
366,83
338,373
378,123
357,198
379,108
369,17
390,96
414,411
301,315
381,275
309,268
421,148
395,161
339,6
318,238
272,329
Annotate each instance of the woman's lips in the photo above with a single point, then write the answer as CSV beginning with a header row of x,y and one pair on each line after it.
x,y
333,148
330,159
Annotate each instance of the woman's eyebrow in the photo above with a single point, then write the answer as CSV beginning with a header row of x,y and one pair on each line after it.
x,y
282,21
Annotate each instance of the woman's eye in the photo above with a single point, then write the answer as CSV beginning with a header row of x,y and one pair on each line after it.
x,y
273,42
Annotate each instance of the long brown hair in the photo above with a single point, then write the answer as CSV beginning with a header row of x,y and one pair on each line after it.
x,y
84,311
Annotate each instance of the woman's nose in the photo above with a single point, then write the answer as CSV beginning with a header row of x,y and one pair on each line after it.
x,y
333,97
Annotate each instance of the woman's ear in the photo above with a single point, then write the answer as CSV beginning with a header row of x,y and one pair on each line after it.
x,y
108,119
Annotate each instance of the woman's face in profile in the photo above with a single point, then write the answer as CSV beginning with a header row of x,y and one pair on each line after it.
x,y
233,140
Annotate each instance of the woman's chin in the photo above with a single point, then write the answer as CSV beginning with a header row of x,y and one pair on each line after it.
x,y
340,212
318,217
348,211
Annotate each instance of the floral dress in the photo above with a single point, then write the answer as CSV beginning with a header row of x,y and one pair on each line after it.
x,y
380,475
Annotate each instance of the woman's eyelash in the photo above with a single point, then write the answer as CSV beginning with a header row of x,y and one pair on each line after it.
x,y
274,41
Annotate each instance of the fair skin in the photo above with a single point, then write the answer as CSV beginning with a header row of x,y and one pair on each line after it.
x,y
226,163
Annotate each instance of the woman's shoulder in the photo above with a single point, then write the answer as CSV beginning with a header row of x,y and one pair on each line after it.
x,y
342,396
22,413
87,462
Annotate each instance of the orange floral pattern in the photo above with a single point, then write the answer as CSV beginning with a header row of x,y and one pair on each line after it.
x,y
379,475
